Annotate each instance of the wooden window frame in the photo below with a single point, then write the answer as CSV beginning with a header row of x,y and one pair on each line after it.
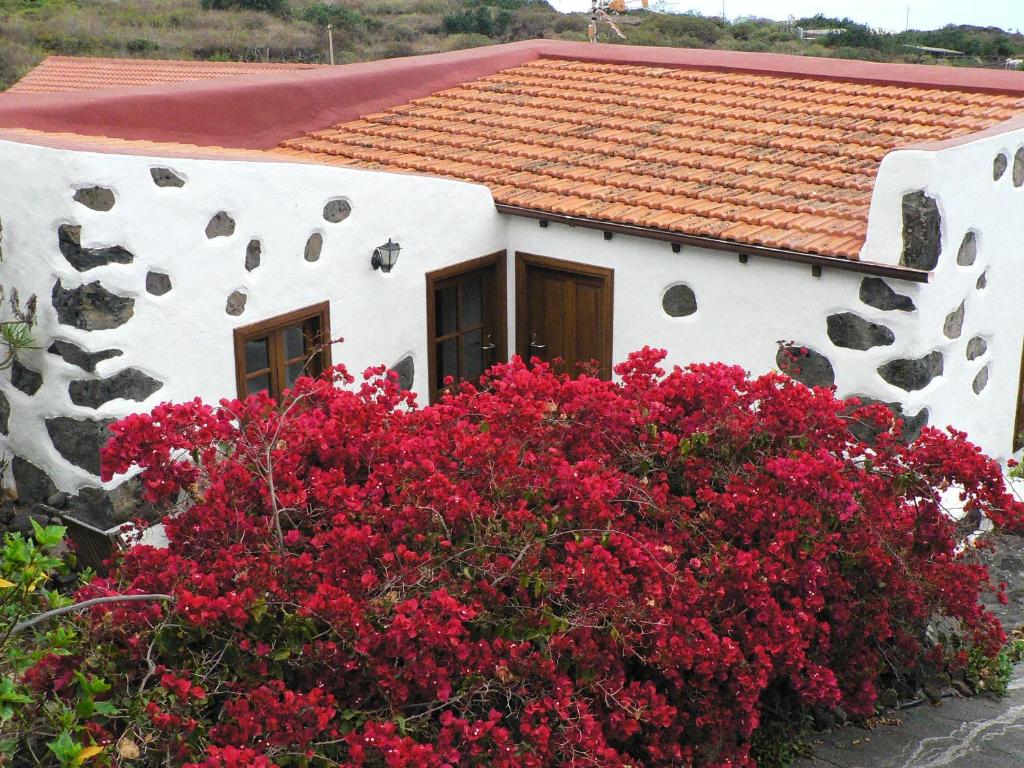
x,y
277,365
499,310
524,260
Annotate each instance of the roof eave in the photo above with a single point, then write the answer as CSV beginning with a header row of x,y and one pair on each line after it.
x,y
814,260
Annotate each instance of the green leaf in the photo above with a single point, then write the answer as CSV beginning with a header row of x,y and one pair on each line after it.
x,y
106,708
64,748
281,653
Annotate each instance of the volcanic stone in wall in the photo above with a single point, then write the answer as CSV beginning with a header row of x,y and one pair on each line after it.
x,y
954,323
337,211
980,381
235,304
75,355
406,370
69,240
982,281
91,307
1018,167
157,283
679,301
854,332
968,250
97,198
807,366
252,255
79,440
875,292
999,166
128,384
867,432
221,225
914,374
165,177
5,414
976,347
314,245
105,509
32,483
25,379
922,233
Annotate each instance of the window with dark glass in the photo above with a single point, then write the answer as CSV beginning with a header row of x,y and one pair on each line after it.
x,y
465,320
272,354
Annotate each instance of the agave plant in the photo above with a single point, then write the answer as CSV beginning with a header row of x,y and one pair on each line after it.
x,y
16,333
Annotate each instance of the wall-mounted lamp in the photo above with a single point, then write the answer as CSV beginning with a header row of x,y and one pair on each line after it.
x,y
385,256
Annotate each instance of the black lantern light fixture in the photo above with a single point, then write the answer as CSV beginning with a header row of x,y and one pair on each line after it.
x,y
385,256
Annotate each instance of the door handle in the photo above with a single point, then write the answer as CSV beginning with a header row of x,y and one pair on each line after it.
x,y
488,344
534,344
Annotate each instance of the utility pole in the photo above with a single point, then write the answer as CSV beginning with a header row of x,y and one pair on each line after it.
x,y
330,42
908,19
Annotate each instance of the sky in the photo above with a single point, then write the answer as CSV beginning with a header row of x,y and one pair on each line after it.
x,y
885,14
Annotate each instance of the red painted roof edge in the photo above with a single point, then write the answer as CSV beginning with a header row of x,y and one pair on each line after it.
x,y
95,60
260,111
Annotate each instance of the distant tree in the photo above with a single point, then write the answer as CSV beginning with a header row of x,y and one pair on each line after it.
x,y
276,7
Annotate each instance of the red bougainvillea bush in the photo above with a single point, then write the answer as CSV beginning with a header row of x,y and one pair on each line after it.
x,y
536,572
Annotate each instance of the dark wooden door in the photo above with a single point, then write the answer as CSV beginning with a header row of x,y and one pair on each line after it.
x,y
466,320
564,312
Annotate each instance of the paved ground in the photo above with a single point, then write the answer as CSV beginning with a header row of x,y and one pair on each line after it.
x,y
979,732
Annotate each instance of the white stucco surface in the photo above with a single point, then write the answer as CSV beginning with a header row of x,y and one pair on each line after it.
x,y
184,338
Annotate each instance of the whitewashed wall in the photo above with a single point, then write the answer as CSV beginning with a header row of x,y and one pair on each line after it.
x,y
184,338
961,179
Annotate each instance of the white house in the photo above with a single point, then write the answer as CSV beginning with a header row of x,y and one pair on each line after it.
x,y
548,198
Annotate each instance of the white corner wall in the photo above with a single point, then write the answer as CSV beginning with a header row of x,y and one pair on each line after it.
x,y
184,338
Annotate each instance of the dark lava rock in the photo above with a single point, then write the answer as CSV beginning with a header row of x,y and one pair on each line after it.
x,y
75,355
235,304
128,384
1018,167
252,255
165,177
999,166
406,370
807,366
97,198
91,307
922,234
337,210
105,509
968,252
157,283
39,512
875,292
314,245
79,440
980,381
58,500
5,414
679,301
854,332
954,323
976,347
69,240
25,379
31,483
982,281
221,225
867,432
914,374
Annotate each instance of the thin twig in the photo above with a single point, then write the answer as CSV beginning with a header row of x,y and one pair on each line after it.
x,y
47,615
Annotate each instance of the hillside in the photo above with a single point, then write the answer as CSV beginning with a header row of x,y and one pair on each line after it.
x,y
294,30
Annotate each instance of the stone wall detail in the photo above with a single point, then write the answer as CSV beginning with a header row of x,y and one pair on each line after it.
x,y
954,323
922,231
235,305
877,293
91,307
79,440
126,384
314,245
911,375
336,211
75,355
253,252
679,301
158,283
165,177
25,379
854,332
221,225
69,240
806,365
96,198
406,370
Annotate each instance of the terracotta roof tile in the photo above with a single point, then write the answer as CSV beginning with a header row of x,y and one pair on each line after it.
x,y
57,74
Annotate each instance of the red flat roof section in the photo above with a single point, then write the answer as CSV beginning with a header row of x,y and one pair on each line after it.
x,y
60,74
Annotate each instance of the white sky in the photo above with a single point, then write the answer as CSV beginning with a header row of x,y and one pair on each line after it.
x,y
887,14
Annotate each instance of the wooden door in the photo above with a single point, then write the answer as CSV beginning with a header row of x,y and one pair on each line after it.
x,y
466,320
564,312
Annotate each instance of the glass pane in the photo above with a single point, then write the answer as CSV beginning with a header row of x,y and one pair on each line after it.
x,y
257,384
472,299
256,356
447,361
472,355
294,342
293,371
446,319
